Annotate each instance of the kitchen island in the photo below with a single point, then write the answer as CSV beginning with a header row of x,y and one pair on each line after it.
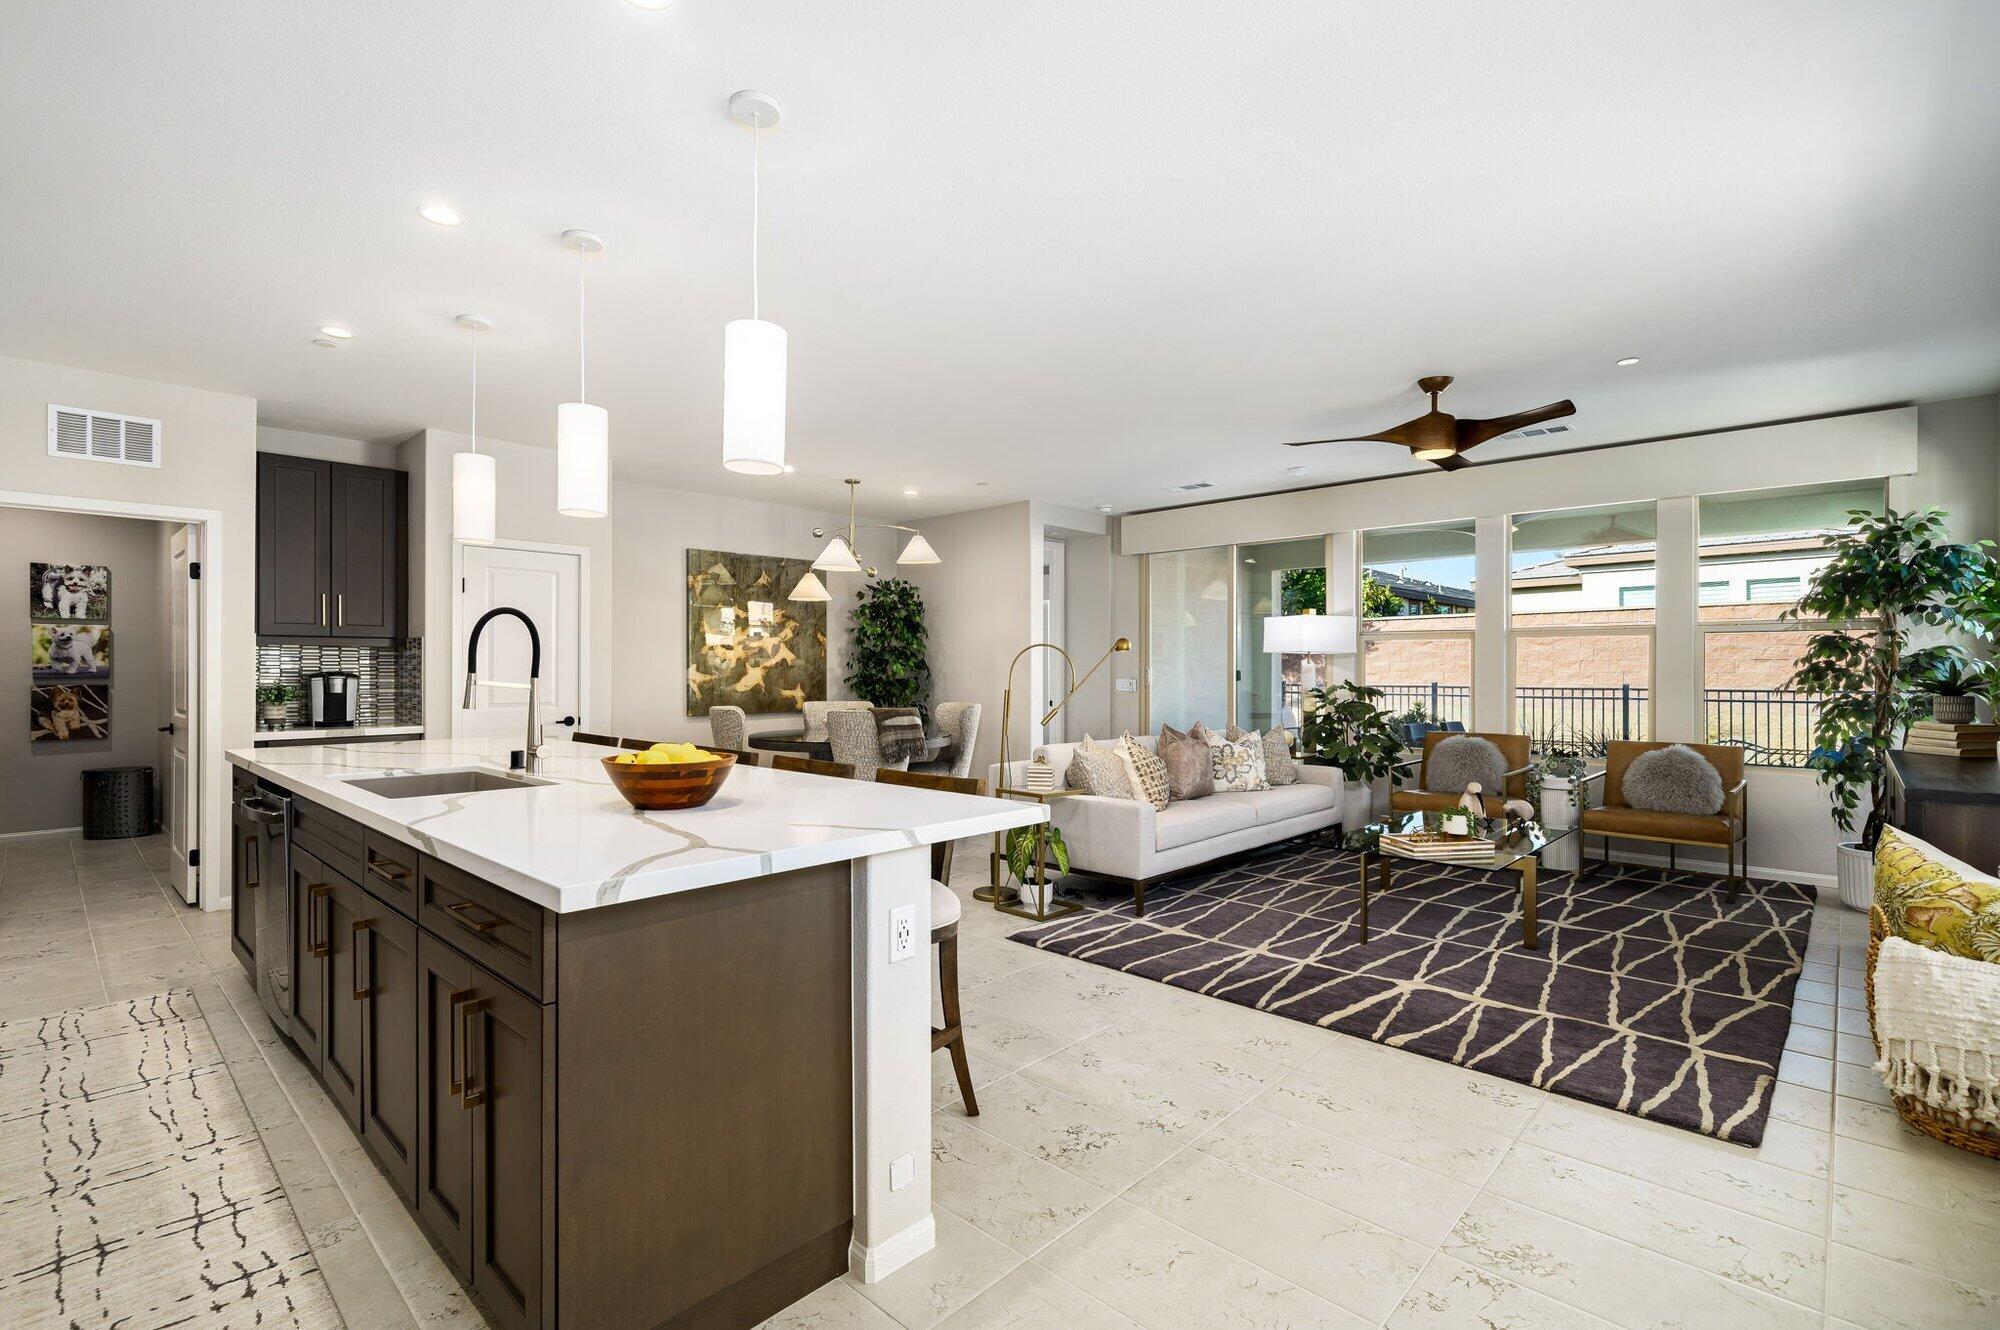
x,y
629,1069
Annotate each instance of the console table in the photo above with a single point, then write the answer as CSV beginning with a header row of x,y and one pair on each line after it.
x,y
1951,802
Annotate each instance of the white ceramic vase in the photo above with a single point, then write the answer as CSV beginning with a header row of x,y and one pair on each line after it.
x,y
1559,813
1856,874
1357,804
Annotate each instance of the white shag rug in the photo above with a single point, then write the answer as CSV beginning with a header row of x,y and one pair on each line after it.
x,y
134,1190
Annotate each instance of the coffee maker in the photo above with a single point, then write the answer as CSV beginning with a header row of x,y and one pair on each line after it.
x,y
333,699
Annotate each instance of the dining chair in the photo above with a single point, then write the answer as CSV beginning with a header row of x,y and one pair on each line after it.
x,y
811,766
854,740
601,740
958,722
726,727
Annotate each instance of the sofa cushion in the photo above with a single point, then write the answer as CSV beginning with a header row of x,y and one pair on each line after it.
x,y
1689,827
1934,903
1188,772
1462,760
1288,801
1192,820
1675,779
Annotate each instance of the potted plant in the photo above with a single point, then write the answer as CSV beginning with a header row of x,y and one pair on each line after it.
x,y
1556,788
1026,846
273,700
886,662
1346,727
1957,681
1889,573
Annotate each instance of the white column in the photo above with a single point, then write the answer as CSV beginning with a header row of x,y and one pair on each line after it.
x,y
892,1068
1343,595
1678,712
1492,649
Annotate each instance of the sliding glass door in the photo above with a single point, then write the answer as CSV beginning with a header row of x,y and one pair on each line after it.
x,y
1188,637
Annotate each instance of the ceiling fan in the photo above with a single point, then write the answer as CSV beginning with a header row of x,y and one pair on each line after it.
x,y
1443,440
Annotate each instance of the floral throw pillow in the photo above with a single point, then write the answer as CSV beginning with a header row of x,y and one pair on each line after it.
x,y
1929,904
1238,766
1279,766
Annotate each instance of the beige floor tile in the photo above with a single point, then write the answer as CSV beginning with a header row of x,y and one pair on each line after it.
x,y
1136,1093
1383,1118
1874,1291
1950,1245
1815,1073
1815,991
1275,1038
1030,1298
834,1306
1625,1284
432,1291
1415,1202
61,984
1856,1050
156,931
1009,1193
1928,1174
101,890
981,959
64,943
1069,1000
1809,1039
1221,1069
360,1283
1499,1106
1860,1083
1879,1123
1770,1257
1343,1258
1081,1138
131,910
18,900
1849,1021
1821,1015
1451,1295
1801,1107
152,969
1166,1278
965,1263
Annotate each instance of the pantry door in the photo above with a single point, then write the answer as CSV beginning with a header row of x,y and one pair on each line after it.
x,y
550,585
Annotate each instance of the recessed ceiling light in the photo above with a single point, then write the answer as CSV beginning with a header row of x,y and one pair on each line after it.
x,y
334,331
439,215
1103,507
325,341
909,494
789,468
1628,360
649,4
1295,471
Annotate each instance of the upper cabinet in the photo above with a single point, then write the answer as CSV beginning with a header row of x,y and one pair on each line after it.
x,y
332,549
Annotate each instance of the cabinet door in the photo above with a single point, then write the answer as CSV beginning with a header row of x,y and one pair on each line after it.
x,y
294,508
311,887
342,912
243,886
444,1124
367,552
506,1079
386,952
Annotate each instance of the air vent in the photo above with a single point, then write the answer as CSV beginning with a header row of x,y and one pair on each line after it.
x,y
1541,429
1191,486
100,436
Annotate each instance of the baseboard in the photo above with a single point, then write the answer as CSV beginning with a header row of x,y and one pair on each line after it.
x,y
30,835
1719,867
872,1264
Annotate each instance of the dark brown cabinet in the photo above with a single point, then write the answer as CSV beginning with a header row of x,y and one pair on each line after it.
x,y
444,1128
332,549
341,910
311,890
243,885
385,962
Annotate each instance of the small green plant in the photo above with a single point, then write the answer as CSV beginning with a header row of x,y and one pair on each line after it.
x,y
1962,676
1560,764
277,694
888,666
1346,726
1024,845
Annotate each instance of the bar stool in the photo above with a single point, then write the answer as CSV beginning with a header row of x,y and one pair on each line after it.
x,y
945,910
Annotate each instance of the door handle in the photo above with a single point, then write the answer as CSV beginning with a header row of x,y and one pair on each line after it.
x,y
250,862
322,609
319,891
471,1098
340,609
451,1042
168,728
360,926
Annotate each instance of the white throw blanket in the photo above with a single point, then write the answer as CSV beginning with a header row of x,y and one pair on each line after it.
x,y
1937,1018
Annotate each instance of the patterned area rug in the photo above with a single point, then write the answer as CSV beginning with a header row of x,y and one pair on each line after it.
x,y
1648,994
134,1191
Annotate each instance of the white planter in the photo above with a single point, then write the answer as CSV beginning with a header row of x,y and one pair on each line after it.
x,y
1357,803
1856,869
1034,895
1559,813
1455,824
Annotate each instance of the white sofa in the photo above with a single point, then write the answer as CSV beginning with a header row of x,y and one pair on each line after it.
x,y
1127,841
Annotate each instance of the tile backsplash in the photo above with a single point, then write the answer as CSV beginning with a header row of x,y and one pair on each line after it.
x,y
391,677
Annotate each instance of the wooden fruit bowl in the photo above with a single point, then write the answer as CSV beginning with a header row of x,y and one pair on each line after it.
x,y
670,784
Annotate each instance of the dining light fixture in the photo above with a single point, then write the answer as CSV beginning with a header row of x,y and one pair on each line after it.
x,y
839,556
583,431
754,349
474,483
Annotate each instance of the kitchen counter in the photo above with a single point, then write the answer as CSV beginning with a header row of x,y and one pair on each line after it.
x,y
293,734
575,844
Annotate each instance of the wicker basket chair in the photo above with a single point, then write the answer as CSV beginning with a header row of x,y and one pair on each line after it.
x,y
1931,1122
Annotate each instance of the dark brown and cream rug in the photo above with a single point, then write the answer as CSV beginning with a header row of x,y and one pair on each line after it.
x,y
134,1190
1649,994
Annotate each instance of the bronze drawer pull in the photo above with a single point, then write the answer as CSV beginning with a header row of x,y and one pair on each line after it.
x,y
399,876
318,891
471,1098
360,926
451,1042
459,911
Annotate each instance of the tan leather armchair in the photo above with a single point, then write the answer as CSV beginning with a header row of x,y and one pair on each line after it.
x,y
1513,747
1728,830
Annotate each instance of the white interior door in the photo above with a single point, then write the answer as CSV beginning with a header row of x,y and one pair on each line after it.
x,y
547,586
182,799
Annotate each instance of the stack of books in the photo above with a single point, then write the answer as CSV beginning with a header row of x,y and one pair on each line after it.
x,y
1929,736
1437,845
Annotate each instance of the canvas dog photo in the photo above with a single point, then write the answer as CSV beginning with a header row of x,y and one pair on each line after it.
x,y
62,652
69,592
63,712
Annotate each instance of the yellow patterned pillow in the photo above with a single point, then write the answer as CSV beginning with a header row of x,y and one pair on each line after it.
x,y
1933,905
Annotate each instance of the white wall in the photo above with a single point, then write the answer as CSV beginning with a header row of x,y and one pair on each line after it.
x,y
980,603
328,447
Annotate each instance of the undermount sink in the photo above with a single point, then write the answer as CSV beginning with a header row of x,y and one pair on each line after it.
x,y
427,784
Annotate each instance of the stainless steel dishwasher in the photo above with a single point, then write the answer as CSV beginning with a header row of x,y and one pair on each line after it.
x,y
271,809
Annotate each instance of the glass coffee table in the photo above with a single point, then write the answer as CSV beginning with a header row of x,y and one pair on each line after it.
x,y
1518,852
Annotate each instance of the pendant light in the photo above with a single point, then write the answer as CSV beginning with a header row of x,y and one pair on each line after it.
x,y
753,349
839,554
474,482
810,588
583,431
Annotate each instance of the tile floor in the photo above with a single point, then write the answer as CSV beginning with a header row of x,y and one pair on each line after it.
x,y
1147,1157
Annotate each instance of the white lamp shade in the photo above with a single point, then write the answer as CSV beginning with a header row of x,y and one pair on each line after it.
x,y
583,459
918,551
753,397
810,588
837,558
1310,634
474,485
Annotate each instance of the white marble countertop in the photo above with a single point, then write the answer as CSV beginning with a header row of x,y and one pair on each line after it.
x,y
294,733
575,844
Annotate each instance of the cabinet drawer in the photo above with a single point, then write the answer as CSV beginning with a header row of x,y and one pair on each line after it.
x,y
391,874
335,839
512,937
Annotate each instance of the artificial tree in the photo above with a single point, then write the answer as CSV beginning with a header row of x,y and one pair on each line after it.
x,y
887,665
1345,726
1888,574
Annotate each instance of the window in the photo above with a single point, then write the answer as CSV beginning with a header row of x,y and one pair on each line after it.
x,y
1769,543
1715,593
1582,586
1417,600
1188,595
1279,577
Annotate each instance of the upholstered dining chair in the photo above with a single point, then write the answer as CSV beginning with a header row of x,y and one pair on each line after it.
x,y
815,714
1614,819
726,727
945,909
854,741
958,722
1419,797
811,766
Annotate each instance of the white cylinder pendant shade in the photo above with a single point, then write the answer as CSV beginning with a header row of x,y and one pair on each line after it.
x,y
837,557
474,491
810,588
918,551
583,460
753,397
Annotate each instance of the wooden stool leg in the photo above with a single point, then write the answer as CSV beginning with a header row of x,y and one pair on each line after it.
x,y
952,1036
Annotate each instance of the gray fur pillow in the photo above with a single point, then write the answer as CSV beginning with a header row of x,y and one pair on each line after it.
x,y
1462,759
1674,780
1279,768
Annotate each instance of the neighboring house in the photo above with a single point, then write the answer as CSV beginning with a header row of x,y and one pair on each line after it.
x,y
1741,570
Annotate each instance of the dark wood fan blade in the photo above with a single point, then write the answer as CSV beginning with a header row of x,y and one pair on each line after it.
x,y
1472,433
1451,463
1405,434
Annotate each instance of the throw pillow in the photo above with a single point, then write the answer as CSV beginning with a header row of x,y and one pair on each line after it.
x,y
1279,767
1462,759
1189,773
1674,780
1098,769
1147,771
1201,734
1934,905
1238,766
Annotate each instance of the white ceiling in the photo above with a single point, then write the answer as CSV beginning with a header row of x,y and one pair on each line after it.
x,y
1079,251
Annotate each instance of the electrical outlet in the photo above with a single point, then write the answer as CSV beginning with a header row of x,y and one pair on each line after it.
x,y
902,933
1126,685
902,1172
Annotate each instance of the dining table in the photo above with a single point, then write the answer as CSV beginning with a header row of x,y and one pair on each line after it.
x,y
795,741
